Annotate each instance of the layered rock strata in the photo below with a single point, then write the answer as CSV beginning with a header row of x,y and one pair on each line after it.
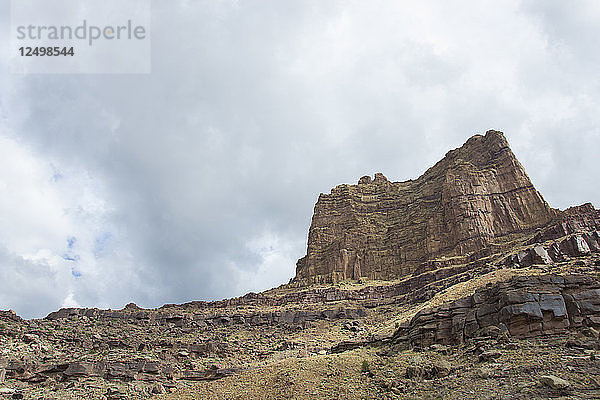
x,y
202,321
524,306
579,219
469,203
574,233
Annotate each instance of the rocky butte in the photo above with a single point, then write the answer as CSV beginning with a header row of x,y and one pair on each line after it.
x,y
461,284
470,204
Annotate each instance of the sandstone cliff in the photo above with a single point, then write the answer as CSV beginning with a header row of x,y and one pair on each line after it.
x,y
471,201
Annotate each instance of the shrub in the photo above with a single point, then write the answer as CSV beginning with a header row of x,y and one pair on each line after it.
x,y
364,368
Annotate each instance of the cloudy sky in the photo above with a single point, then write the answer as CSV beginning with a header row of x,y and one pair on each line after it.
x,y
198,181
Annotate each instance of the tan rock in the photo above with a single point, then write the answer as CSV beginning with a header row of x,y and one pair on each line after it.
x,y
554,382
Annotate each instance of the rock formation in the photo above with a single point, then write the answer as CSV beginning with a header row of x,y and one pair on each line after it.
x,y
524,306
469,202
480,265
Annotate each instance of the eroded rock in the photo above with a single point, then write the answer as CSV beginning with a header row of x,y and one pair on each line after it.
x,y
526,306
385,230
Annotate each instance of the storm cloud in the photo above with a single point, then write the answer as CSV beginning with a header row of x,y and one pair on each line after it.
x,y
198,181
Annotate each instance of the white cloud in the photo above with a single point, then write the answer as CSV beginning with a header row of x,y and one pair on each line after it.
x,y
252,109
57,237
277,263
70,302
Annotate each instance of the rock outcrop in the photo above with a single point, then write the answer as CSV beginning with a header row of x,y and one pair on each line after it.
x,y
580,219
202,321
9,315
469,203
573,233
524,306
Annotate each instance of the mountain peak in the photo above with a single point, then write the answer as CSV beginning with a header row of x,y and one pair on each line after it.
x,y
482,149
465,204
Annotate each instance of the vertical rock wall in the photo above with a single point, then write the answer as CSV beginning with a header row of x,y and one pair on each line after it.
x,y
466,203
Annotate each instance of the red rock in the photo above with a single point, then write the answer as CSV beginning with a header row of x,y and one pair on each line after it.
x,y
384,230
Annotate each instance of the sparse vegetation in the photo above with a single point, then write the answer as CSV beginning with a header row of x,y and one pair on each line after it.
x,y
364,367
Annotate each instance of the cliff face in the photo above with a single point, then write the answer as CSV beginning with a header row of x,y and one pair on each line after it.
x,y
526,306
469,202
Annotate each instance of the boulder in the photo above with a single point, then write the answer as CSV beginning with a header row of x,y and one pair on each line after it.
x,y
554,382
421,369
489,355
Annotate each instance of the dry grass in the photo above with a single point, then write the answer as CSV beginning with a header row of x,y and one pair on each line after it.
x,y
335,376
513,375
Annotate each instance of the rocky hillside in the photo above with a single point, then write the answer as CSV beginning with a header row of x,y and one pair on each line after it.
x,y
462,284
470,202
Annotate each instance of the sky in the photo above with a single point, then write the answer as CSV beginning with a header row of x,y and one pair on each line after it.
x,y
198,181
